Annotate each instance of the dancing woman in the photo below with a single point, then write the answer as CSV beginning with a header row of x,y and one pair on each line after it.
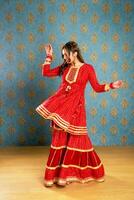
x,y
72,157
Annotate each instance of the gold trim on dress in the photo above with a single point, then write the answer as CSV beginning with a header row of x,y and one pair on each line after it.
x,y
51,116
81,150
53,168
72,74
79,130
61,147
73,149
71,179
53,156
107,87
76,166
57,128
67,166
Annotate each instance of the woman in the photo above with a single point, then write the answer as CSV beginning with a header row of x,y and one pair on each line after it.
x,y
72,156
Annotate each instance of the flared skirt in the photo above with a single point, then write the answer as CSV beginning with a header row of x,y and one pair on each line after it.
x,y
65,110
72,158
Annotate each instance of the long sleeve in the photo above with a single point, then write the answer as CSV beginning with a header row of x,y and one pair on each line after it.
x,y
95,84
46,71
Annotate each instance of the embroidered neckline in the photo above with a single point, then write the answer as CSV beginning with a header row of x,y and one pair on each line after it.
x,y
75,74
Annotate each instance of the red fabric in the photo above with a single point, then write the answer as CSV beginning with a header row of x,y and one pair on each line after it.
x,y
111,86
67,107
72,158
49,56
46,71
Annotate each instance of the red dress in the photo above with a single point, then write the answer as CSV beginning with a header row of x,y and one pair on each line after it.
x,y
72,156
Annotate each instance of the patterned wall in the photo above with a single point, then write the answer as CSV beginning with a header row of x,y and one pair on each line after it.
x,y
104,30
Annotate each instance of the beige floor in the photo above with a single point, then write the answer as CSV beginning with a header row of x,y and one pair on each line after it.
x,y
22,169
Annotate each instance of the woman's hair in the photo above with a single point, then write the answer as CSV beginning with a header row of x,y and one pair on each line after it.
x,y
70,47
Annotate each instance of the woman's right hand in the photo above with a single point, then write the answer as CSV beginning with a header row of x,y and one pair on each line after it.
x,y
117,84
48,49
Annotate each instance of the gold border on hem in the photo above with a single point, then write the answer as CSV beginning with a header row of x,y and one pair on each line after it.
x,y
65,122
81,150
60,147
57,128
78,167
72,179
73,149
53,116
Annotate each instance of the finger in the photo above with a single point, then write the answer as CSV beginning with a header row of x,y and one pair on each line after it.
x,y
50,46
119,82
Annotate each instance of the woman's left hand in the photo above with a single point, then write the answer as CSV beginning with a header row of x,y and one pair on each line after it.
x,y
48,49
117,84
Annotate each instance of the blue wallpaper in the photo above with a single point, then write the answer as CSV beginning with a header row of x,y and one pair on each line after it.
x,y
104,29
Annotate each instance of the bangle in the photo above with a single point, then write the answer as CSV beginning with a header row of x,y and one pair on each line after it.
x,y
111,86
107,87
48,59
49,56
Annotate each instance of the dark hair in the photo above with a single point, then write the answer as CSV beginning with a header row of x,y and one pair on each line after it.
x,y
70,47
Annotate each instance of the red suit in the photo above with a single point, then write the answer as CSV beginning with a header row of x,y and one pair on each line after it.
x,y
72,156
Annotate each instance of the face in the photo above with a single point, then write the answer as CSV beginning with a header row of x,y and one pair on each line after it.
x,y
69,58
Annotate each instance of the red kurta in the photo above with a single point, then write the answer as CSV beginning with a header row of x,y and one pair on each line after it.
x,y
72,156
66,108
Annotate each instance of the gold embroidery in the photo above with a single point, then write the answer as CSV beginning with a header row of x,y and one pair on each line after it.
x,y
53,168
88,166
68,88
60,147
72,74
107,87
77,130
73,149
71,179
76,166
53,157
81,150
57,127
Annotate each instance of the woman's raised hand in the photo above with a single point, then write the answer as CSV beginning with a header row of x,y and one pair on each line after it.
x,y
117,84
48,49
